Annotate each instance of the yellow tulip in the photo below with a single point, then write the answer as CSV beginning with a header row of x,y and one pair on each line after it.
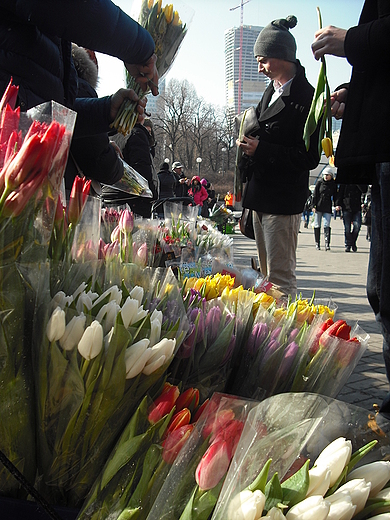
x,y
159,3
327,146
150,4
176,18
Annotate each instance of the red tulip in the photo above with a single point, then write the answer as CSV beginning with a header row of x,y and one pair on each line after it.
x,y
199,411
78,198
164,403
174,442
179,419
213,465
315,343
10,96
216,421
231,434
188,399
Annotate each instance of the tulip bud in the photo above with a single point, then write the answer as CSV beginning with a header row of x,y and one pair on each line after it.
x,y
83,302
341,506
165,347
126,221
274,514
335,456
377,474
78,198
319,480
137,293
213,465
188,399
141,257
247,505
155,331
135,358
179,419
61,300
129,312
91,342
327,146
174,442
312,508
359,490
73,332
115,234
164,403
55,327
156,315
212,322
109,312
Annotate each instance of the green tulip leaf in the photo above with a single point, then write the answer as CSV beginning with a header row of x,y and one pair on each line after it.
x,y
273,493
295,488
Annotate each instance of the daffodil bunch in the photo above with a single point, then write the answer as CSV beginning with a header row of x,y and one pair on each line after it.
x,y
167,30
98,355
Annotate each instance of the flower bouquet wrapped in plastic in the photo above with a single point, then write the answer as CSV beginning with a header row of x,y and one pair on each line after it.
x,y
132,182
167,30
308,456
33,153
97,354
192,486
140,461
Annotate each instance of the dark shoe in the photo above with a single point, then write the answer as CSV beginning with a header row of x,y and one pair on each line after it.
x,y
347,249
305,225
354,248
327,232
317,234
318,247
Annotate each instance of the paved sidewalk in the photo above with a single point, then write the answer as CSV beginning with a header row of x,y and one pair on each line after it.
x,y
341,276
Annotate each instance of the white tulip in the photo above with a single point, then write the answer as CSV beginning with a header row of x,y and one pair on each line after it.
x,y
108,337
138,294
151,367
141,313
341,506
155,331
377,473
115,295
359,490
133,355
81,288
384,494
108,311
382,516
55,327
319,480
92,295
336,456
91,342
312,508
129,311
247,505
156,315
73,332
274,514
164,347
61,300
83,301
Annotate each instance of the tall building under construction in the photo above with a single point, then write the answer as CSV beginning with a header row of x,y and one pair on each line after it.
x,y
244,86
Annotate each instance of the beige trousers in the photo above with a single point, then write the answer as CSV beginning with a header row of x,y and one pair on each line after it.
x,y
276,240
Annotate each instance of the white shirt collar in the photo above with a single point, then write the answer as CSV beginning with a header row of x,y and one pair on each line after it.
x,y
279,89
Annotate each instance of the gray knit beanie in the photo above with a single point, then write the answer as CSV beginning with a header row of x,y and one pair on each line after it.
x,y
276,41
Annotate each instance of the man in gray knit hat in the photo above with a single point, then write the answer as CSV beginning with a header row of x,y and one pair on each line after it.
x,y
276,164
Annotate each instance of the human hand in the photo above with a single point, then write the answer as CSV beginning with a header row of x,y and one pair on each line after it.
x,y
145,74
329,40
120,96
248,145
338,100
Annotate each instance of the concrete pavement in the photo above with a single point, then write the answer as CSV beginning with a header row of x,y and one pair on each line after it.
x,y
341,276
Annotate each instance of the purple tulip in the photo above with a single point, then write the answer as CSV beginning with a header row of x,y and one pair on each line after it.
x,y
212,322
272,347
187,347
256,338
289,355
229,351
293,334
275,333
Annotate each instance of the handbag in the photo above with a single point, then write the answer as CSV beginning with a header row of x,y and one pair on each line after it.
x,y
246,223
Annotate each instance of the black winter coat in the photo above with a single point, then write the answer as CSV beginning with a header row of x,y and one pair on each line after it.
x,y
350,197
324,193
278,173
35,50
168,183
365,132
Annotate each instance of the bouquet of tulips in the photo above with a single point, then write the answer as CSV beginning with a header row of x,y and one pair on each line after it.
x,y
167,30
194,481
96,355
306,456
33,153
138,465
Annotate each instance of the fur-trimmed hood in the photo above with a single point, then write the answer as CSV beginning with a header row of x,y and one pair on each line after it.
x,y
85,67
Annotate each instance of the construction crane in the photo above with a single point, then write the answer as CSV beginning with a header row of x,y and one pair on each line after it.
x,y
241,6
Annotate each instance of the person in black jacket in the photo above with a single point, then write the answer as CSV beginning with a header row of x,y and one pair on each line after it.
x,y
137,152
324,194
94,155
276,163
363,150
349,199
35,51
168,181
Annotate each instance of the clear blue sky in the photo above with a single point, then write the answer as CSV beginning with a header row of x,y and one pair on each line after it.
x,y
201,56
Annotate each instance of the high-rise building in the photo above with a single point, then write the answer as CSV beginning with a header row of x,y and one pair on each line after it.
x,y
156,104
253,84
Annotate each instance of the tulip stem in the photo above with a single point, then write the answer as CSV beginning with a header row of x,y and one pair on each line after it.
x,y
84,367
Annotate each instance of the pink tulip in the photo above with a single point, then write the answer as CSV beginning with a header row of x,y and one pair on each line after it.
x,y
213,465
217,420
101,246
142,255
126,221
231,434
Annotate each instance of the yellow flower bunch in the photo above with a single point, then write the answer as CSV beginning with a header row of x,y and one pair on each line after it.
x,y
305,311
211,286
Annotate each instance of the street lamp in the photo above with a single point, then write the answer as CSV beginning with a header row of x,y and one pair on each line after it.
x,y
199,160
223,150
